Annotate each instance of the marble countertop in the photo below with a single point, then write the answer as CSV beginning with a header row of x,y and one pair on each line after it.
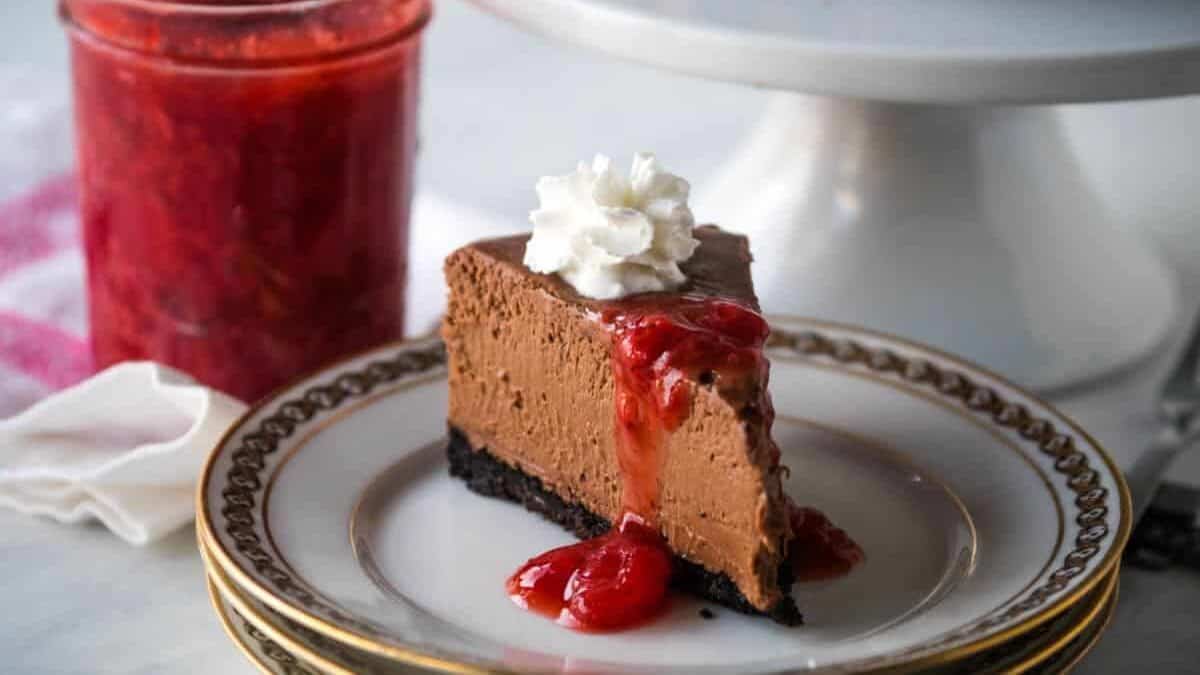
x,y
501,107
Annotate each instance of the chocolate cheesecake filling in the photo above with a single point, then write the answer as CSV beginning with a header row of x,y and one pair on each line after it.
x,y
532,392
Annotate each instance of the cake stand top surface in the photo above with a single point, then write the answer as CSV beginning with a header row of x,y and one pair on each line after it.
x,y
933,51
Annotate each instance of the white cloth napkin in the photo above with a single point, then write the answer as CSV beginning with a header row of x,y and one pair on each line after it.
x,y
123,447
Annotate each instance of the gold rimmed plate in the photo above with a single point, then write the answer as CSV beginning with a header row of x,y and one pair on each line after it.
x,y
277,644
984,513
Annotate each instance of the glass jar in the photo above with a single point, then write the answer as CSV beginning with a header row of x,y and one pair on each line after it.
x,y
246,170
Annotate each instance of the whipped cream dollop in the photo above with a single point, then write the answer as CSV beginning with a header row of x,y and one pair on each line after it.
x,y
609,235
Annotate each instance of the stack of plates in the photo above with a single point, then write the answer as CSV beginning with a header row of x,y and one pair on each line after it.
x,y
335,542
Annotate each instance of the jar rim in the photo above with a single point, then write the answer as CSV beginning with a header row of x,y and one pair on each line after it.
x,y
232,7
232,32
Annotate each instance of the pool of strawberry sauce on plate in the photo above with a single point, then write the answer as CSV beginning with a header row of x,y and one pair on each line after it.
x,y
620,579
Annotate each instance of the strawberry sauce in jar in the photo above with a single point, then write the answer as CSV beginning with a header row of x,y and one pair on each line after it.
x,y
246,172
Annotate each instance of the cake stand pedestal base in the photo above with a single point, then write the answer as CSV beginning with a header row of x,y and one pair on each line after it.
x,y
966,227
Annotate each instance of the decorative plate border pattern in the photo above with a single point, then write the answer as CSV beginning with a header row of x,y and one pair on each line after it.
x,y
288,663
245,480
1093,513
1092,502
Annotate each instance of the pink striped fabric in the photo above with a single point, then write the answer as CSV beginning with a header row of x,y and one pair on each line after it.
x,y
42,345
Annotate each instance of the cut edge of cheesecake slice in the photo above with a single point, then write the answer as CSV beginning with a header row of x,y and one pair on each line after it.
x,y
531,420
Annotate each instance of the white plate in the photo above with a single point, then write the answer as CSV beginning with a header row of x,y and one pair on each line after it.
x,y
286,644
983,513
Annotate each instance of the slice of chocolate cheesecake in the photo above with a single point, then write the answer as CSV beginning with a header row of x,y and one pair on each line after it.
x,y
654,404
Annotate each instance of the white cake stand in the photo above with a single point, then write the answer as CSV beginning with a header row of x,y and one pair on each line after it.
x,y
888,196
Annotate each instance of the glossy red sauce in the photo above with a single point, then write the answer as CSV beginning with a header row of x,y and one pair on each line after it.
x,y
620,579
245,181
657,345
820,550
610,582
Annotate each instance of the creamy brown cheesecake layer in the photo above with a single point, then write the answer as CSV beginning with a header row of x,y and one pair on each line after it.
x,y
531,381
